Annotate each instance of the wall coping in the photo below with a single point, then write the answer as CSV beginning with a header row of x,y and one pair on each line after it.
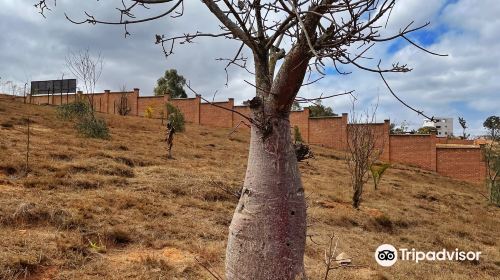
x,y
187,98
326,117
161,96
410,135
216,102
457,146
366,124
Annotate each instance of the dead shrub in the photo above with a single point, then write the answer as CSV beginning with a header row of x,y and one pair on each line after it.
x,y
9,169
380,223
75,253
121,148
426,196
125,160
118,170
155,264
23,266
28,213
178,191
345,221
7,124
119,237
61,156
86,184
44,183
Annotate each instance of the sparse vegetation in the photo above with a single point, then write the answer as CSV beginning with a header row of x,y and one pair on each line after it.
x,y
125,197
74,110
148,113
123,108
93,127
377,171
86,122
362,152
176,117
492,155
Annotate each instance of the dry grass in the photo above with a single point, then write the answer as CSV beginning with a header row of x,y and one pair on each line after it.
x,y
117,209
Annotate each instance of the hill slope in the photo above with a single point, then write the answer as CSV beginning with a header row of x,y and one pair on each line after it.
x,y
99,209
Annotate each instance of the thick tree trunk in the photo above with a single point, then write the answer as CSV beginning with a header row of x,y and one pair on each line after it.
x,y
267,235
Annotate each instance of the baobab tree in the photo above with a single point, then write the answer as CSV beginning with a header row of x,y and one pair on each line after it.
x,y
287,39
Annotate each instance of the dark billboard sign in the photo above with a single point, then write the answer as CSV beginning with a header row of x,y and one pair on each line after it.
x,y
53,86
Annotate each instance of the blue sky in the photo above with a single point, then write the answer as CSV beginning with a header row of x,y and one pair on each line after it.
x,y
462,84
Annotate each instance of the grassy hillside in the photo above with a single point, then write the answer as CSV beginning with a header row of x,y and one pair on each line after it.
x,y
116,209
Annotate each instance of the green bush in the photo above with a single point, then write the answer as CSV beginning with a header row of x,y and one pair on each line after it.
x,y
73,110
176,117
377,172
85,121
92,127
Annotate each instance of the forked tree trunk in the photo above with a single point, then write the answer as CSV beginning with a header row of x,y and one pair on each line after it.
x,y
267,235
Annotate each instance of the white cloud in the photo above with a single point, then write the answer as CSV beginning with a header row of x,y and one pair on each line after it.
x,y
462,84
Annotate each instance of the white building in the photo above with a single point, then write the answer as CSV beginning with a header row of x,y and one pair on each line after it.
x,y
444,126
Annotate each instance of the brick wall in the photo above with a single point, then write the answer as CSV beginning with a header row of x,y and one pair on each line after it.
x,y
214,116
413,150
237,119
424,151
462,163
325,131
190,107
155,102
301,120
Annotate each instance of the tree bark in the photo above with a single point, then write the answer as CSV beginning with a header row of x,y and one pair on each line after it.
x,y
267,235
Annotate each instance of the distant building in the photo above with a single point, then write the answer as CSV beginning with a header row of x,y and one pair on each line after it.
x,y
444,126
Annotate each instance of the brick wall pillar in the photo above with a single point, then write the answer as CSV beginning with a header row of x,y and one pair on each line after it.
x,y
231,106
106,104
198,108
79,95
386,136
306,121
343,131
433,151
136,94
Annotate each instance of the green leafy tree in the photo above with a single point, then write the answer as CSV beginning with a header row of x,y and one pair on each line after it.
x,y
464,126
402,129
427,130
320,110
172,83
296,106
492,124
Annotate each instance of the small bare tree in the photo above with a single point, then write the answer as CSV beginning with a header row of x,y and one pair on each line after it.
x,y
362,150
491,153
123,107
87,69
170,137
281,43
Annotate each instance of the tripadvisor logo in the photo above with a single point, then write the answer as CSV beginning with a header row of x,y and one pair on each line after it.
x,y
387,255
